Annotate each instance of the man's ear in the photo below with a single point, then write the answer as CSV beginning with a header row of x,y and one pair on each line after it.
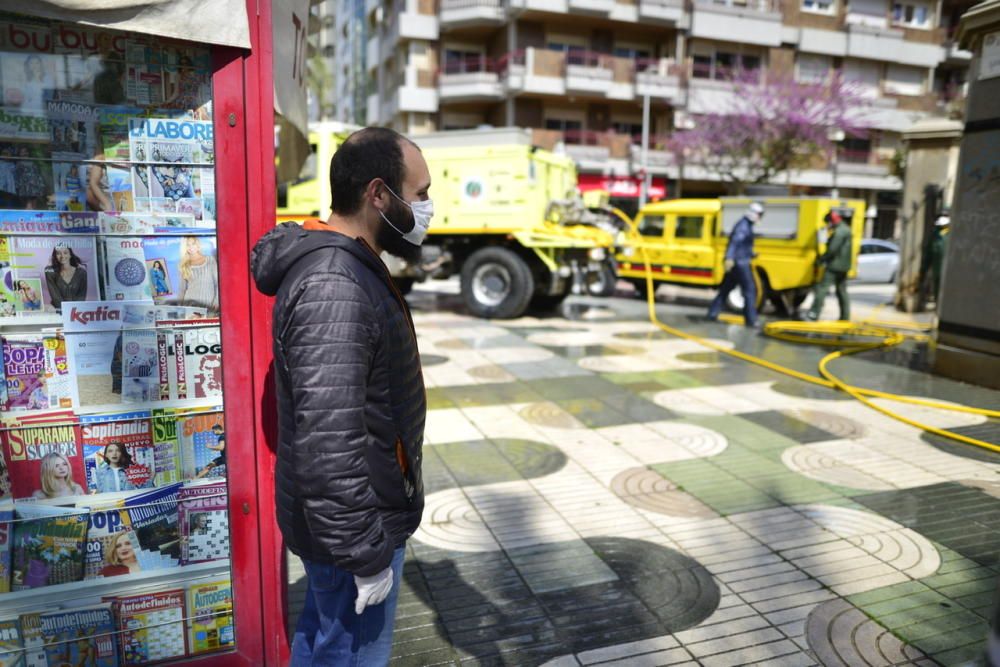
x,y
376,192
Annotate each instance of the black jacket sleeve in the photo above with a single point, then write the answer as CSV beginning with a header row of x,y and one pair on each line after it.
x,y
329,343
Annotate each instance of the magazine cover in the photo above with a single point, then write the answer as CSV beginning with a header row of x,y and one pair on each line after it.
x,y
43,272
11,643
6,540
24,373
201,375
202,437
58,378
43,456
73,127
83,636
152,516
31,635
166,447
148,223
118,452
152,627
111,544
186,271
48,547
36,373
204,519
126,277
113,352
210,608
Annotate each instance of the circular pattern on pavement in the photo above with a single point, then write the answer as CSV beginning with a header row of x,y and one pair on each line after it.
x,y
648,490
818,463
841,634
931,416
549,415
450,522
840,427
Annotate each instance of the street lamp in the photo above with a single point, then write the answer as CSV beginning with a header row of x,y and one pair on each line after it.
x,y
835,135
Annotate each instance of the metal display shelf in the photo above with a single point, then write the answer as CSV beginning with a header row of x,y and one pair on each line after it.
x,y
90,591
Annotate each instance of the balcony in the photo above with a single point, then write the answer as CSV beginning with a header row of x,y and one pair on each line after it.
x,y
752,22
873,43
470,79
588,72
661,11
419,20
599,7
472,13
550,6
661,78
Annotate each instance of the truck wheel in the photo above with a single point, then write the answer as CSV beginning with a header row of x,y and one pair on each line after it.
x,y
496,283
601,282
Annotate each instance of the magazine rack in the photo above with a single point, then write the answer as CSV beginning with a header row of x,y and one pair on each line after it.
x,y
136,479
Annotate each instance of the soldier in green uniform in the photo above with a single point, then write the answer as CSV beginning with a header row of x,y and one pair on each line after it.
x,y
934,253
837,261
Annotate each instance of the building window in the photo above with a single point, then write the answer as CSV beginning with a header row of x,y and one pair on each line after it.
x,y
630,129
812,68
903,80
818,6
855,150
911,14
722,65
563,125
630,53
459,62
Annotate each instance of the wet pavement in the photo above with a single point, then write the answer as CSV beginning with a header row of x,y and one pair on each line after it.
x,y
599,492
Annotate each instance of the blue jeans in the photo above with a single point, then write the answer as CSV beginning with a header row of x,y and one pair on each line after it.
x,y
330,634
741,274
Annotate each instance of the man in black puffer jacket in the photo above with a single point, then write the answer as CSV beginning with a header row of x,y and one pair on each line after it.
x,y
351,399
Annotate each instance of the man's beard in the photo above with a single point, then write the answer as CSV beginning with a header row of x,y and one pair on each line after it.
x,y
392,241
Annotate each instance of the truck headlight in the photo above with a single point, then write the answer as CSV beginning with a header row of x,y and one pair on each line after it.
x,y
597,254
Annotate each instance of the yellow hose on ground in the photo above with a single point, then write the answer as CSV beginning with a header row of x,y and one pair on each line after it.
x,y
856,336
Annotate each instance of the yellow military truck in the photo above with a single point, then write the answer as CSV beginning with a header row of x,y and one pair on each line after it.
x,y
685,241
506,218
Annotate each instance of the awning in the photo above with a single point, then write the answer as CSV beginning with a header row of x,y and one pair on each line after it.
x,y
220,22
625,187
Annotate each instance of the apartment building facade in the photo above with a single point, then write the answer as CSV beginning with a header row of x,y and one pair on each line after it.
x,y
577,71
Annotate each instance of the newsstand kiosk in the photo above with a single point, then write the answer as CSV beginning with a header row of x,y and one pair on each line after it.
x,y
136,170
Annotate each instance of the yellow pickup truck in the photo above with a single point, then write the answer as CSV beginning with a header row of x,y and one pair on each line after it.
x,y
685,241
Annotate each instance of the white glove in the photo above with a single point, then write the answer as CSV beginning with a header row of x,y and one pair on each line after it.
x,y
728,265
372,590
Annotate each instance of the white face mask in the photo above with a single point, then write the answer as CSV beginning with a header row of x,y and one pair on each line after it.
x,y
423,211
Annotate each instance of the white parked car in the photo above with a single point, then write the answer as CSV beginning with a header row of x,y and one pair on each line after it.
x,y
878,261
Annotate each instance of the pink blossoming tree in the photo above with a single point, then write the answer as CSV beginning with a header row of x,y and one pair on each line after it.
x,y
770,127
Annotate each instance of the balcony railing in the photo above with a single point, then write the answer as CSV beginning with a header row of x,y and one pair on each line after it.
x,y
447,5
468,65
752,5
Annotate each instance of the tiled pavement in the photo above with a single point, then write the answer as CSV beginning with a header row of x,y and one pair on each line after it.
x,y
602,493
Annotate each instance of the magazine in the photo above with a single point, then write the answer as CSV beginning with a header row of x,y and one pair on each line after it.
x,y
210,608
48,222
126,436
31,635
32,278
152,627
113,351
48,547
111,544
202,437
186,271
84,636
6,540
126,277
166,447
43,456
169,151
198,355
36,373
204,519
24,373
153,517
72,128
11,643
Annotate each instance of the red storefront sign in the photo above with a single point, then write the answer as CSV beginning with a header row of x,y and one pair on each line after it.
x,y
622,186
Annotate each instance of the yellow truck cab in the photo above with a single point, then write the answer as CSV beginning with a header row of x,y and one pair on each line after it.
x,y
506,217
685,241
